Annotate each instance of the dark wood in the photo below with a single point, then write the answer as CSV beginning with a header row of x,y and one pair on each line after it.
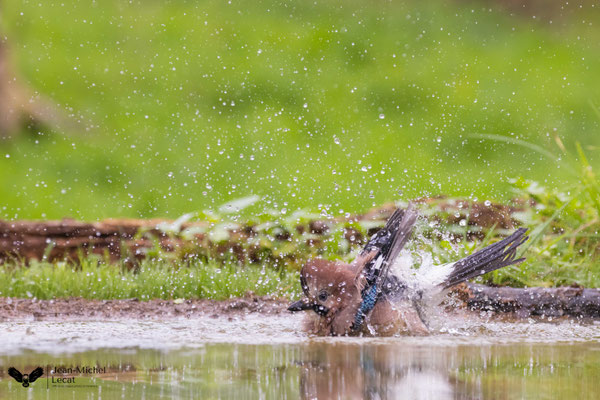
x,y
132,238
524,302
68,239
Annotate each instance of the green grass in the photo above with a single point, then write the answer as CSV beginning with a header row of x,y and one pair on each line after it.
x,y
152,280
562,250
319,105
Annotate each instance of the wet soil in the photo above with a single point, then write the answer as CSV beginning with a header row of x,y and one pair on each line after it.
x,y
498,302
79,309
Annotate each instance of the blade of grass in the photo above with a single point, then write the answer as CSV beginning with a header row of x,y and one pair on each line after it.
x,y
537,233
518,142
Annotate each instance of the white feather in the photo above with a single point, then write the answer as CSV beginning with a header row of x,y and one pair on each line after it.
x,y
427,278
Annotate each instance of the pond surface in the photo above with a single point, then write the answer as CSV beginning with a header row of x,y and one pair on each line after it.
x,y
254,357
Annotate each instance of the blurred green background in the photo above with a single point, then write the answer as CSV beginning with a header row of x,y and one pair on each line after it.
x,y
335,105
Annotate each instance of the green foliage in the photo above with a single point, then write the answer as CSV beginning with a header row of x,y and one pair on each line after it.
x,y
263,254
562,250
152,280
563,245
338,104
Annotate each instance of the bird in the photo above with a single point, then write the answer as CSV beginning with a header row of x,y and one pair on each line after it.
x,y
26,379
364,298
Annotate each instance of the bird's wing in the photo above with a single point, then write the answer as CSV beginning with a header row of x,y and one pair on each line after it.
x,y
15,374
36,373
359,264
381,250
403,231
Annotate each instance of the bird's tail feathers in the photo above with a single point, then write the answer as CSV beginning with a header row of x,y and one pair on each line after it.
x,y
491,258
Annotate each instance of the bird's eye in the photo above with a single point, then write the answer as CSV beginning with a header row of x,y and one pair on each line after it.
x,y
323,296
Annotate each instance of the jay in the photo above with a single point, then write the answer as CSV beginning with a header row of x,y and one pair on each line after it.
x,y
364,298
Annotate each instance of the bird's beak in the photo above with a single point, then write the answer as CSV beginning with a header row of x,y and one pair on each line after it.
x,y
300,305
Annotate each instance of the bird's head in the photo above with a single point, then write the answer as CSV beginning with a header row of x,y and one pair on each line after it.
x,y
328,287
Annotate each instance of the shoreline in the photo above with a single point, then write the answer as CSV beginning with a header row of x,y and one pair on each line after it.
x,y
496,302
79,309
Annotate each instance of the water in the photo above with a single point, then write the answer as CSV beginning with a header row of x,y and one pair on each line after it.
x,y
258,357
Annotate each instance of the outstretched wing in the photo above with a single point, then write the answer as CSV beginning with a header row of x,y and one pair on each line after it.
x,y
379,253
377,256
15,374
36,373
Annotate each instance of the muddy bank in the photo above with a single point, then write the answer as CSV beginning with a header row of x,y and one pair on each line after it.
x,y
91,310
500,301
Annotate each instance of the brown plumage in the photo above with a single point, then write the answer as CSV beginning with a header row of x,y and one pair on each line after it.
x,y
335,286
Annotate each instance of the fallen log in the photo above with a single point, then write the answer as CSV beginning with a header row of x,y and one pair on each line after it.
x,y
68,239
134,239
574,302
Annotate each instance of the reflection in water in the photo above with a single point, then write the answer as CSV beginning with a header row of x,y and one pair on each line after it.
x,y
426,368
372,372
390,370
